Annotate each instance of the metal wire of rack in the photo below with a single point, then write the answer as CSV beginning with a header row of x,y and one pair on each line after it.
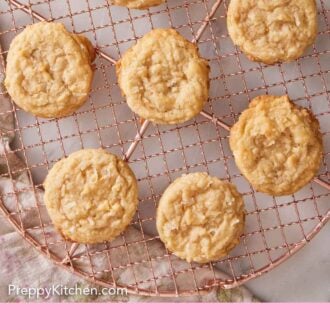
x,y
276,227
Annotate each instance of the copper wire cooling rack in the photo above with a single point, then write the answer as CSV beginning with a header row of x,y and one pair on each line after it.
x,y
275,227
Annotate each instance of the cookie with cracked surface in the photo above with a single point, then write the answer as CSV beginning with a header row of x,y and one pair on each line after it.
x,y
272,31
137,4
48,70
163,78
277,145
91,196
200,218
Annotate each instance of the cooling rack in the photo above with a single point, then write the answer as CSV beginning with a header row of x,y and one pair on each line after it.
x,y
276,227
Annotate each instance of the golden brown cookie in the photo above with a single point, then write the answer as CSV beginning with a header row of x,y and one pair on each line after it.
x,y
272,31
137,4
91,196
163,78
49,70
200,218
277,145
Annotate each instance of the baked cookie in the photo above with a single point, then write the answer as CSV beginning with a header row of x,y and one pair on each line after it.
x,y
137,4
91,196
277,145
49,70
272,31
163,78
200,218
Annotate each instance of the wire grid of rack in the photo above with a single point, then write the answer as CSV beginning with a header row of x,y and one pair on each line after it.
x,y
275,227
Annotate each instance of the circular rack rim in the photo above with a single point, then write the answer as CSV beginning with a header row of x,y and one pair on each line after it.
x,y
67,263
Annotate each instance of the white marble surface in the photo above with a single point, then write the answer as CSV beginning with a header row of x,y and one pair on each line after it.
x,y
305,277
